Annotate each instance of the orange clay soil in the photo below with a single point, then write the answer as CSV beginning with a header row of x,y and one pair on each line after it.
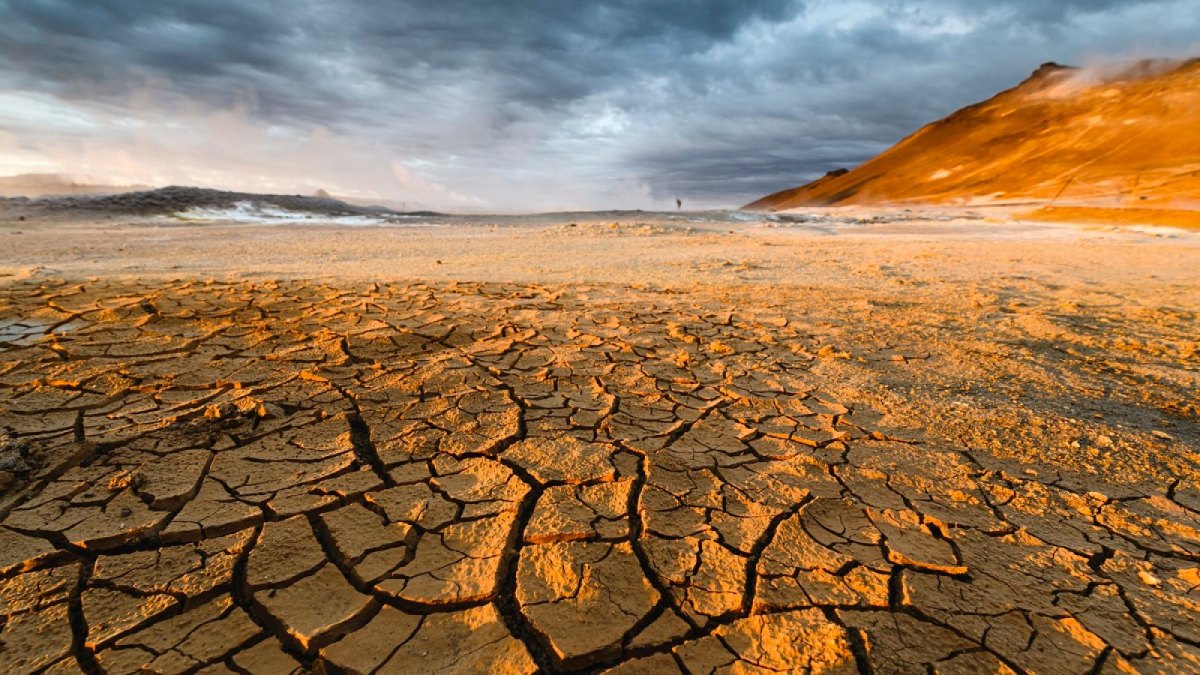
x,y
283,476
1113,138
1116,216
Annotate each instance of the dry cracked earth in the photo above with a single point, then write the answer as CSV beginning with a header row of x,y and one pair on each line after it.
x,y
272,477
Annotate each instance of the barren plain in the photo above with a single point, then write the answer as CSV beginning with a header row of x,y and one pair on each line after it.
x,y
852,442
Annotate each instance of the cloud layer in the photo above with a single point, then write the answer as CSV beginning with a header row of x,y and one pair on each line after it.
x,y
530,105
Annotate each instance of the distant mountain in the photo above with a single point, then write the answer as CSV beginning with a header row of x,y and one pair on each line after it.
x,y
200,202
1117,137
48,184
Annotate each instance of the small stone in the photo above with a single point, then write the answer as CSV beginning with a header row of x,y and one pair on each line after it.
x,y
829,352
12,456
13,463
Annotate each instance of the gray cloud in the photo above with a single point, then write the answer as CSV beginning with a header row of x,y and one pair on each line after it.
x,y
534,104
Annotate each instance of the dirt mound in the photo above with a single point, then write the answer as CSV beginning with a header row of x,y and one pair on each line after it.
x,y
1109,137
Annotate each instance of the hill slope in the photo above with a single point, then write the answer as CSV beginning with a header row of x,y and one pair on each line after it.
x,y
196,204
1117,138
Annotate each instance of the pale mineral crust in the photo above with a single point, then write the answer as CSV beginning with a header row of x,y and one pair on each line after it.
x,y
291,476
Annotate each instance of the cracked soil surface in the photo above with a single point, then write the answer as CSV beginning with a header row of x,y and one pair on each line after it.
x,y
279,475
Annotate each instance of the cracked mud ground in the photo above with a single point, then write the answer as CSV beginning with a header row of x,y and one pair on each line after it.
x,y
292,476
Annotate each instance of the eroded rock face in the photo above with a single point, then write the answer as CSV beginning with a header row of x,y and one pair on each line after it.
x,y
287,477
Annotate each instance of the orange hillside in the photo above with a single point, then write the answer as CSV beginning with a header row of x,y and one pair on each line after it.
x,y
1127,137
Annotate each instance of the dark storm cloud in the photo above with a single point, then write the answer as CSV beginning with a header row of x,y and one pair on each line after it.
x,y
591,102
546,51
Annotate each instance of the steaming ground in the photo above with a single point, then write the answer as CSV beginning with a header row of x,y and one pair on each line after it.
x,y
825,247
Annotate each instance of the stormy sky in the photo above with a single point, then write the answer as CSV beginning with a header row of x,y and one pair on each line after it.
x,y
522,105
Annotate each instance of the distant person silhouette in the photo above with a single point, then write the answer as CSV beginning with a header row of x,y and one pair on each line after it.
x,y
678,204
